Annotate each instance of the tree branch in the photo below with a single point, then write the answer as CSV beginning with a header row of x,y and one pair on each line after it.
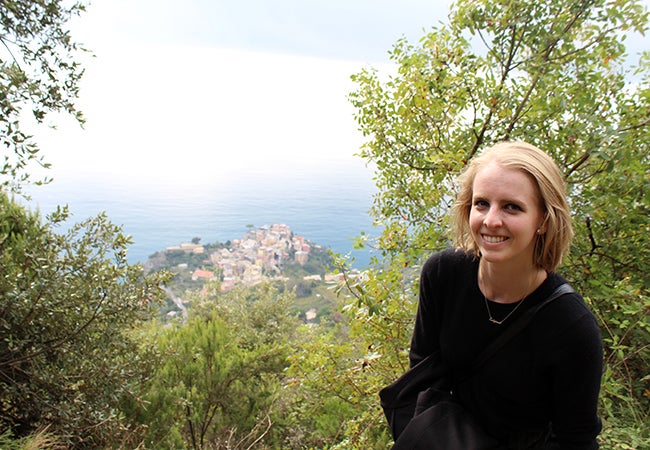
x,y
592,239
506,67
546,58
582,160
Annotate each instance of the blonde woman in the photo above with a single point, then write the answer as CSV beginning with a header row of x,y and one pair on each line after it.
x,y
512,226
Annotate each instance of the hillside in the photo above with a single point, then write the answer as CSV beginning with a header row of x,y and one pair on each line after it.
x,y
265,254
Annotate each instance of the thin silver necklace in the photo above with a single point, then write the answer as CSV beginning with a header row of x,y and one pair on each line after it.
x,y
499,322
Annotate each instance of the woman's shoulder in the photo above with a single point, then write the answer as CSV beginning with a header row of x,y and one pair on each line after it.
x,y
567,332
450,257
567,310
571,301
449,263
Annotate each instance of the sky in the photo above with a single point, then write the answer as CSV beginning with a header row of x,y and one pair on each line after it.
x,y
202,87
193,100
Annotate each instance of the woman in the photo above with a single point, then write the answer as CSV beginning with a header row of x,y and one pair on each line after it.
x,y
512,226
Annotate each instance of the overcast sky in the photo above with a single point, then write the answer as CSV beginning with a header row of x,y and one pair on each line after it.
x,y
358,30
203,86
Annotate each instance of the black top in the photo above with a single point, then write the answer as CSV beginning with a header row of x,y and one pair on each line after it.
x,y
548,374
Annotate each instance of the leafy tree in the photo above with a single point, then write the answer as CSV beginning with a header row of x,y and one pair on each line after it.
x,y
329,401
553,74
198,380
38,72
219,377
67,305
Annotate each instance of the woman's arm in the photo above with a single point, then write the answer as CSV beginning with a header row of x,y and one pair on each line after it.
x,y
426,332
577,369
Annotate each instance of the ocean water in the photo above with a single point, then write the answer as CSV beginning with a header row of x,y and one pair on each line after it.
x,y
326,202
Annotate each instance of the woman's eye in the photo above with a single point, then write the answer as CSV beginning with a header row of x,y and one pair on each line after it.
x,y
513,207
481,204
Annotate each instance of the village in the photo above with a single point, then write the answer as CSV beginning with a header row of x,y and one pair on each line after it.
x,y
258,256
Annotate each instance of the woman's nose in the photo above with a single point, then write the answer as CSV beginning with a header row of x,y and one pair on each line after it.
x,y
492,218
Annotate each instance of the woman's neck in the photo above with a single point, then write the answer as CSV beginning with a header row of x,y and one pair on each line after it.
x,y
508,284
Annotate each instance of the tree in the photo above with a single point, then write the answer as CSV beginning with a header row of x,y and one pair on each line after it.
x,y
218,378
331,404
68,304
550,73
38,72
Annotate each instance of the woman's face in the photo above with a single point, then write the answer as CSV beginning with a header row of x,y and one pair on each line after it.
x,y
505,215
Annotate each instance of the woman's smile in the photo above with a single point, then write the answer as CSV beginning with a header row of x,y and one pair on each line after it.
x,y
493,239
506,214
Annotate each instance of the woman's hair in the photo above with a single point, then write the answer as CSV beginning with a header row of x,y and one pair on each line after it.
x,y
551,245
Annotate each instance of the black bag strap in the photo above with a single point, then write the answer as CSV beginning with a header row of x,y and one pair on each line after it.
x,y
516,327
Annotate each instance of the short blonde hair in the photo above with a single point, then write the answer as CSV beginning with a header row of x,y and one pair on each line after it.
x,y
551,246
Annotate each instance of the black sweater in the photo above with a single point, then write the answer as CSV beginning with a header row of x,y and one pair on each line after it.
x,y
548,374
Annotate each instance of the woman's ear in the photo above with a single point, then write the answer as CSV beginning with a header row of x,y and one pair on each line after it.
x,y
542,227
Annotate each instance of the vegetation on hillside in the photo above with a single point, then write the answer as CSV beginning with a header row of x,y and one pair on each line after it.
x,y
306,280
86,361
68,306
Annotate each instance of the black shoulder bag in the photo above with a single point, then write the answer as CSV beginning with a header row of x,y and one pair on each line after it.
x,y
422,413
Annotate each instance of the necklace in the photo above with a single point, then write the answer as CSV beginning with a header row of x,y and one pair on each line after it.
x,y
499,322
487,306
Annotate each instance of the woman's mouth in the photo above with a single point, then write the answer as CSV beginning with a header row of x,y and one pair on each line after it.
x,y
493,239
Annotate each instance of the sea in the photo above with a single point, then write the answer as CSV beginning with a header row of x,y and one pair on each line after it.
x,y
327,203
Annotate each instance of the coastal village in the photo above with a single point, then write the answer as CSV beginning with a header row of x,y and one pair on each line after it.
x,y
256,257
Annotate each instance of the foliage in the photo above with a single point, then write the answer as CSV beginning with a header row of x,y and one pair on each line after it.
x,y
218,377
332,391
75,353
40,440
38,72
170,259
550,73
67,302
337,370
